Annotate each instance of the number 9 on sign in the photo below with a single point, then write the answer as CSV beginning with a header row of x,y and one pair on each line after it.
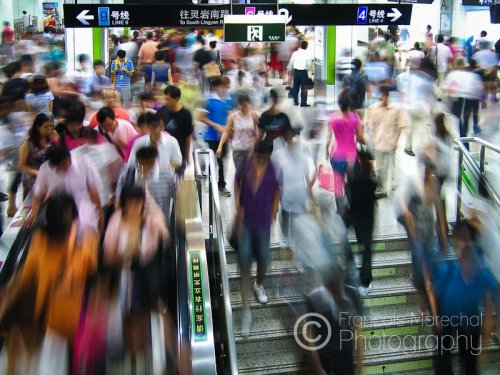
x,y
362,14
103,15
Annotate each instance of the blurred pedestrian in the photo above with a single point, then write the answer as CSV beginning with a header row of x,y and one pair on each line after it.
x,y
33,152
257,195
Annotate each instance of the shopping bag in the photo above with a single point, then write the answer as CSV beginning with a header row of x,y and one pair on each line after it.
x,y
326,178
211,70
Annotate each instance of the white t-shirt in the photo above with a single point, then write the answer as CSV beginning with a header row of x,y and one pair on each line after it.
x,y
485,59
414,58
444,55
464,84
169,151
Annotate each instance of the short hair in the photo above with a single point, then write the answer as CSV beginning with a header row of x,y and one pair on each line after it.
x,y
144,118
26,59
263,148
440,38
99,63
216,82
121,54
160,55
173,91
148,153
149,35
46,29
11,69
131,192
213,44
57,154
200,39
104,113
243,98
429,27
24,12
83,58
155,117
57,225
75,113
387,37
39,84
483,33
384,90
304,44
356,63
417,46
146,95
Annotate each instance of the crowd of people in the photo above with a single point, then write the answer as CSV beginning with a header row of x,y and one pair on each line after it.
x,y
102,149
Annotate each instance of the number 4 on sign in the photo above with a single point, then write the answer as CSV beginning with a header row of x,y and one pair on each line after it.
x,y
362,14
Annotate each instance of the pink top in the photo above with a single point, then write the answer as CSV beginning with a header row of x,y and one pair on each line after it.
x,y
344,127
122,134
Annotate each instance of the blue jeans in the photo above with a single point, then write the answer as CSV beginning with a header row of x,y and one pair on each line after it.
x,y
254,242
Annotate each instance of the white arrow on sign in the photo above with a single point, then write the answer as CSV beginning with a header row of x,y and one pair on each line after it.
x,y
284,12
83,17
394,15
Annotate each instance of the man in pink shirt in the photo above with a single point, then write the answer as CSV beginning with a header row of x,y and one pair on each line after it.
x,y
117,131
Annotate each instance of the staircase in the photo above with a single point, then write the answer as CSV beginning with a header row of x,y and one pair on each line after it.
x,y
391,315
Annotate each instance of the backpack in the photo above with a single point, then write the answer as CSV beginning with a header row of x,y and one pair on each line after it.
x,y
354,90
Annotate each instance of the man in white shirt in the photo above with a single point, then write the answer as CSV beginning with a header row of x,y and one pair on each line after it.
x,y
300,63
117,131
75,176
441,56
169,152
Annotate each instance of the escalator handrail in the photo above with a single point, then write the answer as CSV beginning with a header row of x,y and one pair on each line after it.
x,y
215,199
478,169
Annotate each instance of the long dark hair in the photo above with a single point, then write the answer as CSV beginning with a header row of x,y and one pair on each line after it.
x,y
34,132
60,211
441,130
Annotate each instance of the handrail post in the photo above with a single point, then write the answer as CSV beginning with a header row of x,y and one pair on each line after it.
x,y
481,158
459,185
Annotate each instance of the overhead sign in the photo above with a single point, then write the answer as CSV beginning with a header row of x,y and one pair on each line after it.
x,y
253,28
178,15
480,2
411,1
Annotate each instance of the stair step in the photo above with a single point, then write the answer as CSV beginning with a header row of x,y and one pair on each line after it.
x,y
278,252
386,291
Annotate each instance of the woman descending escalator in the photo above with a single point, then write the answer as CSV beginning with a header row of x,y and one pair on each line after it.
x,y
40,308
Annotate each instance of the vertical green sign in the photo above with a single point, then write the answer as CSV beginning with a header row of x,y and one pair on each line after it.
x,y
197,297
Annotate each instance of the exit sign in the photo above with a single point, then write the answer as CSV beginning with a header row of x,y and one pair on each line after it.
x,y
254,28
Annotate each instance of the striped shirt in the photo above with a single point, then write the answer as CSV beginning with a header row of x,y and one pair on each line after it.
x,y
122,79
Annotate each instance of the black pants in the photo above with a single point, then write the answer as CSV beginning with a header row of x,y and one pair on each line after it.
x,y
468,347
363,227
300,82
463,108
214,145
16,181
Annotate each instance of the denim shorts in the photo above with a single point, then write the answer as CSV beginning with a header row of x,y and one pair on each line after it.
x,y
253,242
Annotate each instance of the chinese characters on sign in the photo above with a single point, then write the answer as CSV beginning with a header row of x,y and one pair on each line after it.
x,y
199,325
203,17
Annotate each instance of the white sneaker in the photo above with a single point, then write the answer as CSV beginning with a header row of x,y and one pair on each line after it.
x,y
364,291
260,293
246,323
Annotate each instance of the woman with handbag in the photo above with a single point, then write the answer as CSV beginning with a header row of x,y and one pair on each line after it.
x,y
347,128
56,269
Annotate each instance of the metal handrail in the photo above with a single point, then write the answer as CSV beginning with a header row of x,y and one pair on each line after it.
x,y
214,199
479,169
201,334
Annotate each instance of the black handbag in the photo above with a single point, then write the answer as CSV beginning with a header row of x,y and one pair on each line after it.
x,y
310,83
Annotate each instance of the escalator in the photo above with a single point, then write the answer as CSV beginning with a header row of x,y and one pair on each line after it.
x,y
185,287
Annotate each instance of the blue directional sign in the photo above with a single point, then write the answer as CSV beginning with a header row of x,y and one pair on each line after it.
x,y
362,15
